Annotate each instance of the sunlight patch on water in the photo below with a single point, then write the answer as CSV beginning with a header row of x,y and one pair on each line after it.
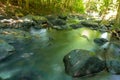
x,y
85,33
40,33
37,31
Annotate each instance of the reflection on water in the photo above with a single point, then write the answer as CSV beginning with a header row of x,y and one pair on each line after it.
x,y
44,54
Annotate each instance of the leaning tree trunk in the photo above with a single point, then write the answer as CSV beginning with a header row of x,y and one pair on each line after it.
x,y
115,33
117,21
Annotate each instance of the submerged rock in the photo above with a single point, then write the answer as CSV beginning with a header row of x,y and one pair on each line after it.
x,y
27,74
100,41
12,35
5,49
81,63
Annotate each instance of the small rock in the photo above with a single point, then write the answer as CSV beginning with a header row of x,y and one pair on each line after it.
x,y
100,41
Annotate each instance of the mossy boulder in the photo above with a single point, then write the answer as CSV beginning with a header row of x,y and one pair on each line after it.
x,y
38,22
113,58
110,53
32,17
90,24
82,62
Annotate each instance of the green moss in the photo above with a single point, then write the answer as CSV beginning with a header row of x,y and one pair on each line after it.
x,y
73,21
92,53
1,41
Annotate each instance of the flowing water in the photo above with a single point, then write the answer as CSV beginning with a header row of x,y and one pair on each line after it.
x,y
42,57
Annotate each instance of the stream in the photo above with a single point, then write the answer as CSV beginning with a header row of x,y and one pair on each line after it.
x,y
42,57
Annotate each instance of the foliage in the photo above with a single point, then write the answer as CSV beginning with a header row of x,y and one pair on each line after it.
x,y
78,6
59,7
47,6
117,21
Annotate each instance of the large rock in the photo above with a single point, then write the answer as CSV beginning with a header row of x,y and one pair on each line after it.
x,y
58,22
76,26
113,58
90,24
38,22
5,49
110,52
62,17
82,62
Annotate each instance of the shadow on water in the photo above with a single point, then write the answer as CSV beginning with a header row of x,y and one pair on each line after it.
x,y
44,54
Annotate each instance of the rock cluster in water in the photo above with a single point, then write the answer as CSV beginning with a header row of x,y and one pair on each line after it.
x,y
80,62
11,50
55,22
77,63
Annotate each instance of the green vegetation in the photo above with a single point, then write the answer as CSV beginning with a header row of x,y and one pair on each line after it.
x,y
117,21
106,9
46,6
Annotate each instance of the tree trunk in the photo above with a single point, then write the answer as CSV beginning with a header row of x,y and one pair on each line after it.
x,y
117,21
